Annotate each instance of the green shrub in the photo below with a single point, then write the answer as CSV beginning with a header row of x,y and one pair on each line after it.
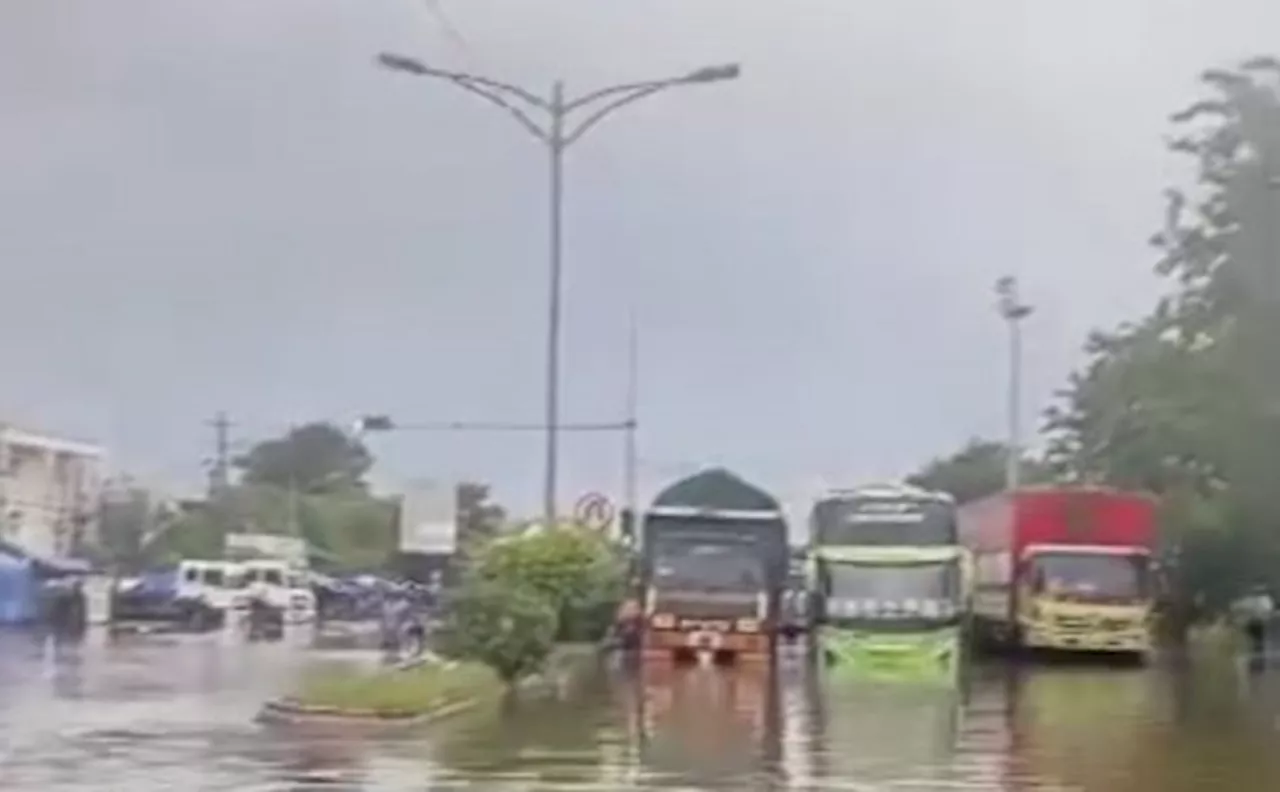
x,y
577,571
506,626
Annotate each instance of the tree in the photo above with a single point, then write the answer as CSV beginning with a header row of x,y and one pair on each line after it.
x,y
352,530
313,458
577,571
125,517
1186,401
975,471
193,533
508,627
480,520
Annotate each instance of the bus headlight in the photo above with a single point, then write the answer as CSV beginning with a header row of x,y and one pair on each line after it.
x,y
664,621
747,625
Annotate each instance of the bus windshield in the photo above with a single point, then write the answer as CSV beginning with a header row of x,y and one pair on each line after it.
x,y
927,589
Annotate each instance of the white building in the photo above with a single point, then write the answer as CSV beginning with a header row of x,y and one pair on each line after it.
x,y
49,489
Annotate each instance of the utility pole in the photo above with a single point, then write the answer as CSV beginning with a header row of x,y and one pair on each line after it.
x,y
220,475
557,136
294,528
629,464
1013,311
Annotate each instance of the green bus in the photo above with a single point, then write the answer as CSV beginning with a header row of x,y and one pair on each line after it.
x,y
890,581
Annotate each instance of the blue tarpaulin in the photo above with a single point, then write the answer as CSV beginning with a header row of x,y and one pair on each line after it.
x,y
18,599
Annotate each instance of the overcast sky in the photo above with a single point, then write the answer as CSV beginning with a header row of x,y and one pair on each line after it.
x,y
224,205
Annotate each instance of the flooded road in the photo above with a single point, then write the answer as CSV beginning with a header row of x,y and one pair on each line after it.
x,y
154,713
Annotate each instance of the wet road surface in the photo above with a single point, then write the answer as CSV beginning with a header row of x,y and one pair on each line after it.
x,y
176,713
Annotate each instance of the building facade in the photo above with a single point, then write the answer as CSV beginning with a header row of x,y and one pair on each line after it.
x,y
49,492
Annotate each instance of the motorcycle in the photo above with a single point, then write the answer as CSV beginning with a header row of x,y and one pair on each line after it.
x,y
265,622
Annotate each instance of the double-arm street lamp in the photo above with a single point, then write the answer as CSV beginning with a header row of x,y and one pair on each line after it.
x,y
557,134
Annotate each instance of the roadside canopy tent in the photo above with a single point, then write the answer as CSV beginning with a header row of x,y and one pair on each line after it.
x,y
18,589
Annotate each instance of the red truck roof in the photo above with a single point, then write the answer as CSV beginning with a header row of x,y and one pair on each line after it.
x,y
1098,516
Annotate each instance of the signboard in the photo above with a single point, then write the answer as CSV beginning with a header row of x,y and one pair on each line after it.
x,y
429,518
292,549
594,511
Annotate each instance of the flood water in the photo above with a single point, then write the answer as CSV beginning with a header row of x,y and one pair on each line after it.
x,y
161,714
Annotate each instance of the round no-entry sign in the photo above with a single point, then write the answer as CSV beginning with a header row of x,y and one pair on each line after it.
x,y
594,511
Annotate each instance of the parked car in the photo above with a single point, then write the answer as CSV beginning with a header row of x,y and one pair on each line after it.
x,y
192,594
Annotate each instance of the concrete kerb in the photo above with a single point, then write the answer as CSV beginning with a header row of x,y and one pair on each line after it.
x,y
289,711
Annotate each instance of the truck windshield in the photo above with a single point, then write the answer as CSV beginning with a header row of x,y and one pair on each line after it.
x,y
878,521
705,567
1090,577
930,589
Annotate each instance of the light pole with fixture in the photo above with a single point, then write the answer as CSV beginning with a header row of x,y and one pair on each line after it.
x,y
557,135
1013,310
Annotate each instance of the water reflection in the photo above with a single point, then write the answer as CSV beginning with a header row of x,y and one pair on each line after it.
x,y
710,726
555,739
164,714
886,734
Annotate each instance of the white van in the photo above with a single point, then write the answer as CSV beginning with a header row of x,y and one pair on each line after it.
x,y
208,590
282,586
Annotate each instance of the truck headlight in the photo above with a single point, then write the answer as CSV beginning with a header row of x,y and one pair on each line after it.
x,y
747,625
664,621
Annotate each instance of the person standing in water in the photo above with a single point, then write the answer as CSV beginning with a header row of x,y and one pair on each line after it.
x,y
1254,612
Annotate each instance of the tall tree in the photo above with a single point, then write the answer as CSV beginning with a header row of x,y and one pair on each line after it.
x,y
1186,401
479,517
313,458
975,471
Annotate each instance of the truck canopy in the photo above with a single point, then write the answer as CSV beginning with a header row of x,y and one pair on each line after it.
x,y
716,505
716,489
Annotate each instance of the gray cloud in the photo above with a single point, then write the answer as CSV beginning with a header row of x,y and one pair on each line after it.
x,y
208,205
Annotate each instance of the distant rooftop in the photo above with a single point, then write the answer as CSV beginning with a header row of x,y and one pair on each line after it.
x,y
17,435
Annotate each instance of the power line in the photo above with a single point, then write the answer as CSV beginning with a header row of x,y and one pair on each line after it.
x,y
446,25
503,426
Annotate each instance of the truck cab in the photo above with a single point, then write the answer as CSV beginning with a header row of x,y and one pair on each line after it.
x,y
1092,597
714,563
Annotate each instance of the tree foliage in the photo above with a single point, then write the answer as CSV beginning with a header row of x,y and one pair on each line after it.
x,y
313,458
975,471
125,517
1185,402
480,519
510,628
576,570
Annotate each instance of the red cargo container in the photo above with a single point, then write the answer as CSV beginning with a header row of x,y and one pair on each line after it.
x,y
1063,567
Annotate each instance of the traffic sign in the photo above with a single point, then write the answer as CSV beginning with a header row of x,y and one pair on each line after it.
x,y
594,511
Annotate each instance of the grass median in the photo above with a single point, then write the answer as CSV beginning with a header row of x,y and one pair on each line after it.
x,y
413,692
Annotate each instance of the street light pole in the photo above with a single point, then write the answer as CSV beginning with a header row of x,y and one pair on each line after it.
x,y
1013,311
557,136
630,454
